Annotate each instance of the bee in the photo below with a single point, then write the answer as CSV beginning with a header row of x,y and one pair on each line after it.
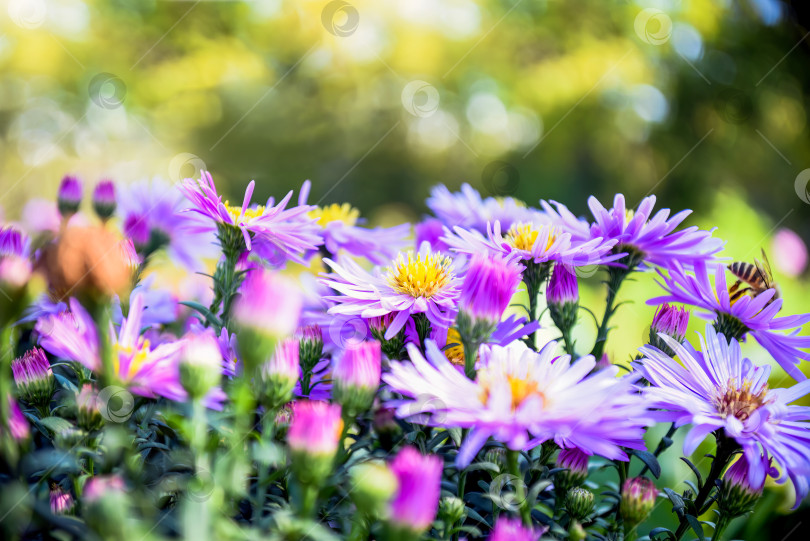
x,y
752,279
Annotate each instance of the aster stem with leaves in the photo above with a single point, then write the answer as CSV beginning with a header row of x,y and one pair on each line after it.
x,y
616,276
513,465
726,449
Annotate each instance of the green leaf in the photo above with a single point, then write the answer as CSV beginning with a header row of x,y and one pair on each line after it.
x,y
696,527
55,424
695,470
649,460
677,502
658,531
205,312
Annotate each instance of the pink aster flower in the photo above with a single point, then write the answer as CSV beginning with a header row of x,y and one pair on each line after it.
x,y
273,228
706,288
422,283
522,398
315,428
717,390
512,529
416,500
148,371
648,240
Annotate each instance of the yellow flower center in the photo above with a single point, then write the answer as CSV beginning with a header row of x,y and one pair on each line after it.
x,y
422,275
250,213
138,357
521,388
335,213
454,354
522,236
740,402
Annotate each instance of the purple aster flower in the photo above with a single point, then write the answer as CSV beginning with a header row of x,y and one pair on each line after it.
x,y
720,391
340,232
430,230
17,424
152,218
575,465
69,196
670,320
536,242
467,209
148,371
422,283
737,493
562,287
104,202
14,242
512,529
272,228
489,285
416,500
228,349
706,288
522,398
648,240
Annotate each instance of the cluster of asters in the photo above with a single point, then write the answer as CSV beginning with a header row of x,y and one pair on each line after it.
x,y
383,376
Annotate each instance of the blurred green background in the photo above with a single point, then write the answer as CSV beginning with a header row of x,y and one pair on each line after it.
x,y
702,102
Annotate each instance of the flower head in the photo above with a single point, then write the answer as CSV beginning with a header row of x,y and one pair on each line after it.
x,y
17,424
430,230
671,321
14,242
417,497
425,282
69,196
99,487
153,219
579,503
270,227
200,363
575,463
33,376
104,202
488,287
646,239
522,398
706,288
467,209
340,230
512,529
356,375
719,390
536,241
148,370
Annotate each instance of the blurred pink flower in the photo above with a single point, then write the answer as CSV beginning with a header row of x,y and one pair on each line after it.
x,y
789,252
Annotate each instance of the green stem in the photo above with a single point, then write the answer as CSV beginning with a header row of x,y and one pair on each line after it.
x,y
470,356
616,276
725,450
360,528
513,463
7,347
268,432
722,523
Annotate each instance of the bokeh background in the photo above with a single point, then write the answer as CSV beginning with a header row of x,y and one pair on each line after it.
x,y
701,102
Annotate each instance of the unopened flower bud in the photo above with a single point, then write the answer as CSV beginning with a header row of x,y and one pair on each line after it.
x,y
512,529
562,295
575,463
372,486
356,376
638,500
87,406
579,503
738,491
33,377
104,199
670,321
451,509
200,364
310,340
313,437
69,196
415,503
266,311
280,374
62,503
393,348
